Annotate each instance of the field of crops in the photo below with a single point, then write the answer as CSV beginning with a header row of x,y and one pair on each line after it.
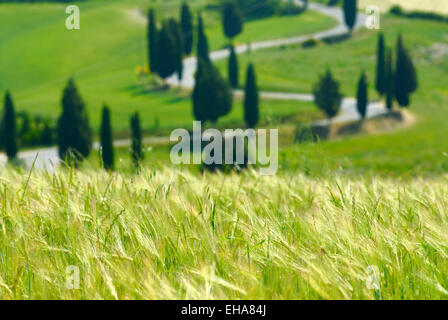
x,y
169,234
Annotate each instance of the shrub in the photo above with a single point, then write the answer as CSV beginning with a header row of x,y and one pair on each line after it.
x,y
310,43
396,10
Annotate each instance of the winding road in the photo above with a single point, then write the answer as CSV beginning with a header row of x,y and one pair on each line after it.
x,y
47,158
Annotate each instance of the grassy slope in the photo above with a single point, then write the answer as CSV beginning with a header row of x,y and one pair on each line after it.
x,y
167,234
419,150
38,54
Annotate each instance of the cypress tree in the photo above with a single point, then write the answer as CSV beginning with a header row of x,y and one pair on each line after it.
x,y
232,19
152,41
9,127
212,96
168,59
362,96
202,49
405,75
74,133
251,99
177,32
186,21
380,83
327,95
350,12
137,149
389,81
233,68
107,148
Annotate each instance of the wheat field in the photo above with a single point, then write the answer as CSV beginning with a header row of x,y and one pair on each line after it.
x,y
170,234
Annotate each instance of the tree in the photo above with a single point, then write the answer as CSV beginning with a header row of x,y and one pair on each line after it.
x,y
362,96
152,42
327,95
177,32
107,148
233,68
405,75
212,96
74,133
251,98
305,5
202,49
389,75
137,150
167,51
380,83
232,19
9,127
350,12
186,21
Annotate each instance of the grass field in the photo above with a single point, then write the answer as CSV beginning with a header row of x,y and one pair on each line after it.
x,y
38,55
420,150
167,234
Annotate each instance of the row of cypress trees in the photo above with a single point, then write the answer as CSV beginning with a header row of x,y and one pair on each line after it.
x,y
212,95
106,140
394,83
74,132
168,45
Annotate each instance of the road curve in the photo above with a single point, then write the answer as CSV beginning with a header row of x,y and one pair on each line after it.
x,y
47,158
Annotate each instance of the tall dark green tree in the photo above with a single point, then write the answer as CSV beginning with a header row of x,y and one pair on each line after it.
x,y
179,51
232,19
212,96
74,132
167,56
107,147
9,127
350,12
405,75
390,77
362,96
327,95
202,49
380,83
233,68
137,145
305,5
152,41
186,22
251,98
